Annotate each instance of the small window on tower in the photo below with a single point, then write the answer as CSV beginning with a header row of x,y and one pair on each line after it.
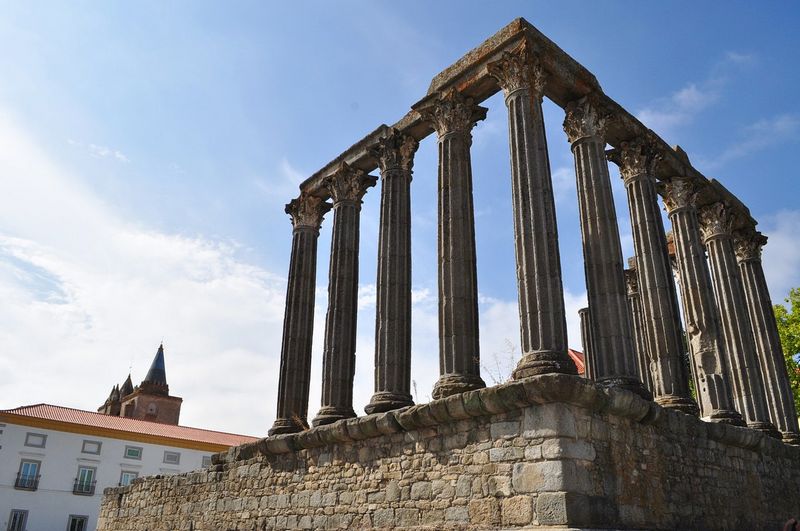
x,y
152,409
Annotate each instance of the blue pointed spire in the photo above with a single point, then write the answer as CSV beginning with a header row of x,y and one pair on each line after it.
x,y
157,373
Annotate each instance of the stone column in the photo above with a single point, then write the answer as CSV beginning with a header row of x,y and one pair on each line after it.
x,y
347,186
586,338
298,321
453,116
699,308
780,402
660,317
639,336
543,327
395,154
744,372
616,363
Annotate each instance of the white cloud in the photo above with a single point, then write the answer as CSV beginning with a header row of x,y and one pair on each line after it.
x,y
679,108
87,294
285,182
756,137
101,152
682,106
781,256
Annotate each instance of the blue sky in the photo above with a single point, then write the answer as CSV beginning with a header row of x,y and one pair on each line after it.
x,y
146,152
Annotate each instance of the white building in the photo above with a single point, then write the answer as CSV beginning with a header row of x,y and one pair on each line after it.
x,y
55,461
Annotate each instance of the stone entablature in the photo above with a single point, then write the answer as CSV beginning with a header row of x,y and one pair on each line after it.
x,y
544,451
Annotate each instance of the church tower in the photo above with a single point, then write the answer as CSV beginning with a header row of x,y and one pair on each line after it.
x,y
150,400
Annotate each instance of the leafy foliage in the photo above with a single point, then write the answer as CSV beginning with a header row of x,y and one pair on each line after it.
x,y
788,318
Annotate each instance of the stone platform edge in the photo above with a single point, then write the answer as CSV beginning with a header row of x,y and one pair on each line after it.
x,y
503,398
542,389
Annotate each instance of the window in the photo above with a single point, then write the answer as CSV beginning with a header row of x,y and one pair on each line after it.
x,y
206,461
84,483
152,409
91,447
133,452
77,523
127,477
36,440
172,458
16,522
28,475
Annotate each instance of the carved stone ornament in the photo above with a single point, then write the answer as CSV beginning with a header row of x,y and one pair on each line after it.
x,y
395,151
517,70
583,120
634,158
678,193
452,112
348,183
632,282
715,221
307,211
748,245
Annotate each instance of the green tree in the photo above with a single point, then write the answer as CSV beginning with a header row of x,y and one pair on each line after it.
x,y
788,318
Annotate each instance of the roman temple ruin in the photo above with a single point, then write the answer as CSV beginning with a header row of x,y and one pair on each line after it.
x,y
628,447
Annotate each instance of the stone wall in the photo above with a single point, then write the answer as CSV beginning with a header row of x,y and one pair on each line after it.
x,y
550,450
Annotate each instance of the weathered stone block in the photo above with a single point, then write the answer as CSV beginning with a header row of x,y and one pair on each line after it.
x,y
484,512
517,510
456,514
549,420
558,508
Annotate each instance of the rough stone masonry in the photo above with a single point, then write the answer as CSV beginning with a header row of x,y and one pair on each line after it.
x,y
629,448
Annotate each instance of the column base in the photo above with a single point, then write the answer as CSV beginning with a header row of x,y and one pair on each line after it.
x,y
544,362
284,425
628,383
387,401
330,414
678,403
451,384
767,427
726,416
791,437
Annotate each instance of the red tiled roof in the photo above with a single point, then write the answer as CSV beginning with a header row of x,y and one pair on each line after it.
x,y
134,426
577,359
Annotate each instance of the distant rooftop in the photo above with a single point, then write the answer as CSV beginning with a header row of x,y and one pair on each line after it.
x,y
77,420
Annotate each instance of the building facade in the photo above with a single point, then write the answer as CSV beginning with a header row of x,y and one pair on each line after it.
x,y
55,461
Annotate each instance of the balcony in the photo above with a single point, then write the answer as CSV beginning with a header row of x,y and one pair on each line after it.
x,y
27,482
83,488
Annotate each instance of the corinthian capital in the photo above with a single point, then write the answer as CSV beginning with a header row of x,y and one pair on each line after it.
x,y
517,70
395,151
452,112
307,211
678,193
634,158
748,244
584,119
716,221
348,183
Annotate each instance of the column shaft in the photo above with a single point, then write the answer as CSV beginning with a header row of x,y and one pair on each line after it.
x,y
298,322
586,339
744,371
660,317
616,363
780,402
700,310
453,116
393,312
639,336
346,187
543,327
